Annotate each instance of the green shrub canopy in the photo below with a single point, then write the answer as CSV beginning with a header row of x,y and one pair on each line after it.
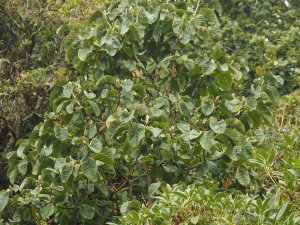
x,y
158,100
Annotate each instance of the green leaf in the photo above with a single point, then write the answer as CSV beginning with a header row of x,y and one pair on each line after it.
x,y
218,127
210,16
184,127
129,205
177,25
207,140
209,67
84,51
104,93
170,168
136,134
95,145
237,73
193,134
126,116
95,107
66,172
283,211
195,219
243,177
159,102
22,167
47,150
68,90
207,106
89,95
127,85
153,188
125,27
224,81
90,129
47,211
152,17
89,168
165,62
236,153
183,109
61,133
87,211
156,131
70,108
4,197
22,147
106,156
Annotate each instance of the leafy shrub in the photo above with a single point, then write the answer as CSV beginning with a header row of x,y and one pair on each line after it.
x,y
202,204
158,99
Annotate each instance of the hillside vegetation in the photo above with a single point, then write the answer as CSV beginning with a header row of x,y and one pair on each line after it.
x,y
149,112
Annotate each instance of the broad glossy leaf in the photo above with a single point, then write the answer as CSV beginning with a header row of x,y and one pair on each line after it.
x,y
153,188
61,133
68,90
107,156
87,211
224,81
218,127
90,130
126,116
183,109
207,140
184,127
47,211
243,177
95,145
207,106
66,172
127,85
136,134
84,51
89,168
209,67
177,25
95,107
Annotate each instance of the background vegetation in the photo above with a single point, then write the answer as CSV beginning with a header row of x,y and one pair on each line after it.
x,y
149,112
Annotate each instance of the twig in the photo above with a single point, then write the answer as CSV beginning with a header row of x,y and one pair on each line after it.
x,y
196,10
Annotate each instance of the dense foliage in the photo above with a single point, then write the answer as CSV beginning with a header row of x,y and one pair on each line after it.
x,y
162,113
